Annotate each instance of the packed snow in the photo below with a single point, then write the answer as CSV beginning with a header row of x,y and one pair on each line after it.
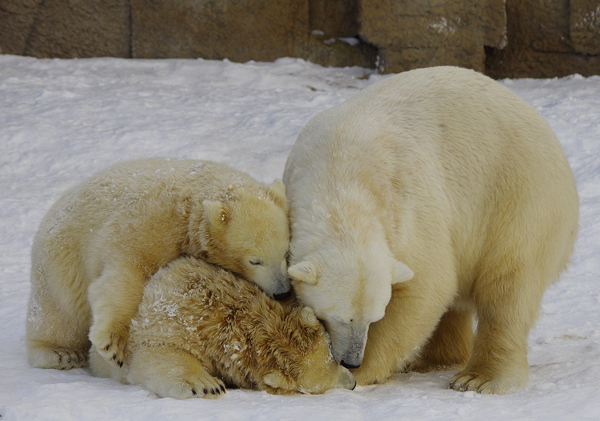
x,y
62,120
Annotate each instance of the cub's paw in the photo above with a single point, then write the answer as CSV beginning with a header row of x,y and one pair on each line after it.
x,y
199,386
111,345
58,358
70,358
485,383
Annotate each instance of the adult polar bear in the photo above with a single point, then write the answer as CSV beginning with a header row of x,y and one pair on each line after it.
x,y
444,173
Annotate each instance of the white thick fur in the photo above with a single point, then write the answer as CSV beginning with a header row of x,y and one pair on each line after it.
x,y
104,238
199,327
447,173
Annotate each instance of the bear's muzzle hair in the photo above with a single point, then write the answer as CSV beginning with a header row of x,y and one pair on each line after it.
x,y
348,344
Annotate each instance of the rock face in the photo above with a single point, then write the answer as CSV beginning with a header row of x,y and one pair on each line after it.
x,y
503,38
549,39
584,26
261,30
412,34
65,28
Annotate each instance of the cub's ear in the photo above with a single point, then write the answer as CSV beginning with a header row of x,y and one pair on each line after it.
x,y
402,273
276,380
304,271
215,213
308,315
277,190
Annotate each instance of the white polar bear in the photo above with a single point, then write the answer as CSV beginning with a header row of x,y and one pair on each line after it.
x,y
445,173
103,239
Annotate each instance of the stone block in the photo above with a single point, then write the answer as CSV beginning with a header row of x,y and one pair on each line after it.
x,y
78,28
584,25
541,25
334,18
16,19
412,33
261,30
400,60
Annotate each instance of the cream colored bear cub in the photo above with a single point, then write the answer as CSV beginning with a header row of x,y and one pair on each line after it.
x,y
428,198
103,239
200,327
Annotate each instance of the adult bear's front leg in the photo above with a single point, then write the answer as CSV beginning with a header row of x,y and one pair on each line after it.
x,y
410,318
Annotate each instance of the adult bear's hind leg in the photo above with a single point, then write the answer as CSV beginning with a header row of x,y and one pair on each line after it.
x,y
507,306
449,348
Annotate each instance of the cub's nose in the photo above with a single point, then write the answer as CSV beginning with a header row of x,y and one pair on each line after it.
x,y
283,295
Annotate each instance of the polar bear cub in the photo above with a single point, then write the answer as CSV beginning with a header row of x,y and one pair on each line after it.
x,y
428,198
200,327
104,238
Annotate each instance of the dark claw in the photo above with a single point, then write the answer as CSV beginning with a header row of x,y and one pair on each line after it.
x,y
114,356
120,364
106,347
222,389
218,391
205,391
212,391
194,392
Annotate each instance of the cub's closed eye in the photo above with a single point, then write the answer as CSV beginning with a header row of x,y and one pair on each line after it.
x,y
255,262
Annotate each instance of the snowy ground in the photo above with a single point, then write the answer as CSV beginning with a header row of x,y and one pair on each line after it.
x,y
62,120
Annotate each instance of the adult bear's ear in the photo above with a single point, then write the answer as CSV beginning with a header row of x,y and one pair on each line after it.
x,y
402,273
215,213
277,191
304,271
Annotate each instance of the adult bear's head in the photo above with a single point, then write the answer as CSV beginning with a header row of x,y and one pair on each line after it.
x,y
348,283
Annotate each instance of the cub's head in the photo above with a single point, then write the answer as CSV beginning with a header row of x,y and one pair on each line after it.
x,y
303,362
250,235
349,287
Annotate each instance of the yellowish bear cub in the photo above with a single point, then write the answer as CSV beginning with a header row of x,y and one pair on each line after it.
x,y
428,198
102,240
200,327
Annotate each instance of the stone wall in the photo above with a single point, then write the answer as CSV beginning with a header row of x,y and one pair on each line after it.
x,y
503,38
65,28
548,38
412,34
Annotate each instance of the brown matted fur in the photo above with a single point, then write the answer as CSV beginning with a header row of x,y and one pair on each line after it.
x,y
200,328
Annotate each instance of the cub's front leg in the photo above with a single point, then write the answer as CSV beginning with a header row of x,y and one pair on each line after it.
x,y
114,298
172,372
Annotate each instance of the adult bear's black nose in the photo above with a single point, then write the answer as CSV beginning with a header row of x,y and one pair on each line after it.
x,y
349,366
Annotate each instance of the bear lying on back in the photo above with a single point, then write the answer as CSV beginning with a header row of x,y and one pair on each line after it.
x,y
199,326
102,240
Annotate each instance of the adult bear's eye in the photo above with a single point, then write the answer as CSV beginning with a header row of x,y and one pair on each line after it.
x,y
255,262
